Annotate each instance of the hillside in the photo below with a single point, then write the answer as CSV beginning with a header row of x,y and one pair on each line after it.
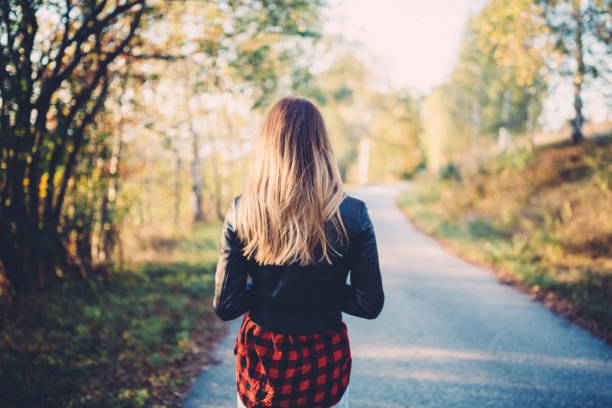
x,y
541,218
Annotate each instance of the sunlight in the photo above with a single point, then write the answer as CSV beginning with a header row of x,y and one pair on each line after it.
x,y
440,355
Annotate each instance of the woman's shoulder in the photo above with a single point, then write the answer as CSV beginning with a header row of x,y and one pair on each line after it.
x,y
351,210
351,203
234,203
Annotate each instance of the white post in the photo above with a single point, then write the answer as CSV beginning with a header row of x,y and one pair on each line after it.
x,y
503,138
364,158
436,146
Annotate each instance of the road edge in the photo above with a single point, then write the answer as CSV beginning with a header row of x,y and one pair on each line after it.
x,y
551,300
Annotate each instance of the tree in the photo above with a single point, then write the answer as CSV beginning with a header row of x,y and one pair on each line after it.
x,y
374,132
230,47
57,63
499,79
582,34
396,149
437,129
61,138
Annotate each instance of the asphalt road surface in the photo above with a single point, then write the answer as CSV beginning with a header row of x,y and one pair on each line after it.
x,y
449,335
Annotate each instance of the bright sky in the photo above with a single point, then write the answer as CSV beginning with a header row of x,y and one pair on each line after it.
x,y
415,41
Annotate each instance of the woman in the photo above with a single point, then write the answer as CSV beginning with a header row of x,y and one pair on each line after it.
x,y
296,235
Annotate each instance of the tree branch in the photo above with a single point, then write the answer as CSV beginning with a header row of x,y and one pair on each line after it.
x,y
154,56
79,138
101,73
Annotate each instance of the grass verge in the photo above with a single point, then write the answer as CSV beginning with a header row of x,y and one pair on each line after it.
x,y
540,218
134,339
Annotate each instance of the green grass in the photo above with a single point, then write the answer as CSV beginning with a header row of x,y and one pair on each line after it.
x,y
542,216
122,341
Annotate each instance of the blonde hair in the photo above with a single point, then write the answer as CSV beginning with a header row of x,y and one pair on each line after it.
x,y
294,189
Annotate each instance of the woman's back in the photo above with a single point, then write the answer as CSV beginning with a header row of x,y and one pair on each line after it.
x,y
297,299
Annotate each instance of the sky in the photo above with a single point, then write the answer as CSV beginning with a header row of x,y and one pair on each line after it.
x,y
414,41
414,44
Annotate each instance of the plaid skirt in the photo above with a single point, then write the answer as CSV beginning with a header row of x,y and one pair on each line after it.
x,y
343,403
291,371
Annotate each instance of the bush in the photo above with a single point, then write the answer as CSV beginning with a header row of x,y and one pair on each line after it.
x,y
450,172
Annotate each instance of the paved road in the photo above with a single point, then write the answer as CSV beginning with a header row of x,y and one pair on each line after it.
x,y
449,336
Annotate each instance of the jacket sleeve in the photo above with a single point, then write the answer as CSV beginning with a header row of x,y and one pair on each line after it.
x,y
364,297
231,298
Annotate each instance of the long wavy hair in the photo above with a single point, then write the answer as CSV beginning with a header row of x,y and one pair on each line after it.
x,y
294,190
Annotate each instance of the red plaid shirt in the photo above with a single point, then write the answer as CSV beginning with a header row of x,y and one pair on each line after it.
x,y
282,370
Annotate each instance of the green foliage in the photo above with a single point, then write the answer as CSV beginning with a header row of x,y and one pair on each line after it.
x,y
119,341
271,50
343,94
394,128
450,172
502,55
410,174
498,81
522,212
509,161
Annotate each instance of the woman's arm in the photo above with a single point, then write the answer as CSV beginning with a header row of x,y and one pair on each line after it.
x,y
231,299
364,297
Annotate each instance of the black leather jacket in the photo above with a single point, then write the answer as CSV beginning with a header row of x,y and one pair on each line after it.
x,y
298,299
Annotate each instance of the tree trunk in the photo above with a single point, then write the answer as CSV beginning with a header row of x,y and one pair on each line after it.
x,y
216,173
177,187
108,230
198,214
532,118
474,130
108,221
577,122
148,188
